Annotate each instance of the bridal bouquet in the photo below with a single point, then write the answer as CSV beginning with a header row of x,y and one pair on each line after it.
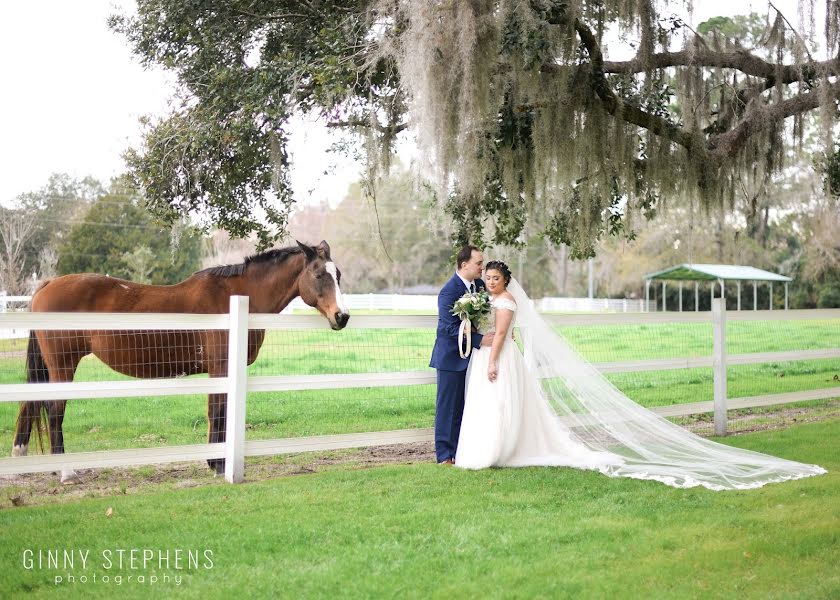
x,y
473,308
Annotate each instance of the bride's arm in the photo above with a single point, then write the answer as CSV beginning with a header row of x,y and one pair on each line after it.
x,y
504,317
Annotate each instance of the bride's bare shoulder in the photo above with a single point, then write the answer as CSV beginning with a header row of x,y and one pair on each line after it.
x,y
507,296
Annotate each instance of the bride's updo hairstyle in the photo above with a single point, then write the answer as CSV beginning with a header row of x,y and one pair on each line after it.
x,y
497,265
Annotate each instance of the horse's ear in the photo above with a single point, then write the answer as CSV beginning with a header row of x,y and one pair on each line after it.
x,y
325,248
309,251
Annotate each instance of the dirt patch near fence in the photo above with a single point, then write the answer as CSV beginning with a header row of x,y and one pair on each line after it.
x,y
763,419
44,488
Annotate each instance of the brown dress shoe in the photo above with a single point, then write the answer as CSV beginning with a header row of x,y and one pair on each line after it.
x,y
448,461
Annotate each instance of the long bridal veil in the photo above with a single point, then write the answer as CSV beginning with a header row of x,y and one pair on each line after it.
x,y
600,417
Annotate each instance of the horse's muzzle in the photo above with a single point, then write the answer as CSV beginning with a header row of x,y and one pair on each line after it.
x,y
341,320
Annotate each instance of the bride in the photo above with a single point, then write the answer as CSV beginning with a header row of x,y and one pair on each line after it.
x,y
550,407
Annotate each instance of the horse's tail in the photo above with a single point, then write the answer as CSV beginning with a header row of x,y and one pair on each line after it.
x,y
37,372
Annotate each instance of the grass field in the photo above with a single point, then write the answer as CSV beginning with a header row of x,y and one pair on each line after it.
x,y
145,422
422,531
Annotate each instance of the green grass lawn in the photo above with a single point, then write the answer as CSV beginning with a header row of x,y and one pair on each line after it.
x,y
424,530
146,421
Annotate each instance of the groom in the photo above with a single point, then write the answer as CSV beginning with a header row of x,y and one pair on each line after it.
x,y
451,368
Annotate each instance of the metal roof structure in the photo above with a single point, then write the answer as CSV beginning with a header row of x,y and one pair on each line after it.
x,y
695,272
716,274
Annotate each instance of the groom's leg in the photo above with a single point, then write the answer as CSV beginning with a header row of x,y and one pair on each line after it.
x,y
447,394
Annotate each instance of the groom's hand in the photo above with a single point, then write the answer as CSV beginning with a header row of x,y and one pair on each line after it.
x,y
487,340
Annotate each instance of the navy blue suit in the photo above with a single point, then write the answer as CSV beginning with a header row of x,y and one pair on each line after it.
x,y
451,369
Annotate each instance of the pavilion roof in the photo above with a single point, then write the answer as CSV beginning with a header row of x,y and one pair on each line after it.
x,y
696,272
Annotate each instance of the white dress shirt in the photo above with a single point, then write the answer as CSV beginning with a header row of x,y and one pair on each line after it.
x,y
468,284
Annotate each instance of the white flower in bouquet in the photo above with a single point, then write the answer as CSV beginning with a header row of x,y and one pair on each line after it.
x,y
473,307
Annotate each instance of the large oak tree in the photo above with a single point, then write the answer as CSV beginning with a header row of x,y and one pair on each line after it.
x,y
528,123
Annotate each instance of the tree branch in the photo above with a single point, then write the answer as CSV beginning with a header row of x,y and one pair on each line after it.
x,y
726,144
389,129
615,106
274,17
742,60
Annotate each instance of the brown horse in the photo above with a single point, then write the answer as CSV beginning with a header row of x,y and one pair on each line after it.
x,y
271,280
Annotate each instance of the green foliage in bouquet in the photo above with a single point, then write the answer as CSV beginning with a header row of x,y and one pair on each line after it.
x,y
474,307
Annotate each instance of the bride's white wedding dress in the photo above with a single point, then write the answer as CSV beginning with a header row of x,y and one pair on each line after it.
x,y
551,407
508,422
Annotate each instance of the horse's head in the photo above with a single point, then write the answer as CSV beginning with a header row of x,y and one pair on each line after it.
x,y
318,285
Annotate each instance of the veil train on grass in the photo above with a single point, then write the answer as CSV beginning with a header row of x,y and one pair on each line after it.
x,y
603,419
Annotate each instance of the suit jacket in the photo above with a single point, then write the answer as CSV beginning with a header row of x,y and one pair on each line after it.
x,y
445,355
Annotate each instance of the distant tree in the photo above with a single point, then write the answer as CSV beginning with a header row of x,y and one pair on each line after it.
x,y
110,238
394,242
221,249
53,210
16,229
140,264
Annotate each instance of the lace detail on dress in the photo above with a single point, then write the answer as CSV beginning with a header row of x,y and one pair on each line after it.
x,y
501,303
504,303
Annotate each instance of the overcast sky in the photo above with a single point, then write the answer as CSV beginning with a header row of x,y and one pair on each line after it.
x,y
72,95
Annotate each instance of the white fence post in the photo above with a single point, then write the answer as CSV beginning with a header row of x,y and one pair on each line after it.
x,y
237,388
719,363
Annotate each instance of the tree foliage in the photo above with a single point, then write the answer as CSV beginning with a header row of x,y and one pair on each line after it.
x,y
53,210
530,130
117,237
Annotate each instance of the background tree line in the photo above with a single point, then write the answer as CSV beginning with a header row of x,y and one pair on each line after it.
x,y
82,226
399,242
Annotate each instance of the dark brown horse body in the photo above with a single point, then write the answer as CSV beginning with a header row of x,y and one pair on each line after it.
x,y
271,280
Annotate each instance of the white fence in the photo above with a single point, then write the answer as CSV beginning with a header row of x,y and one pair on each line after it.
x,y
429,303
418,303
237,384
622,305
13,303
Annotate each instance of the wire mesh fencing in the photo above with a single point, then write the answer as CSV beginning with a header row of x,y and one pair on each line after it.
x,y
796,376
363,379
772,360
350,407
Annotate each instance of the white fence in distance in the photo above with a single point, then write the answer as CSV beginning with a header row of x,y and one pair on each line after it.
x,y
15,303
417,302
237,384
429,303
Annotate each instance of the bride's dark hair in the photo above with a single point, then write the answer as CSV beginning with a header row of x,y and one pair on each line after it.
x,y
497,265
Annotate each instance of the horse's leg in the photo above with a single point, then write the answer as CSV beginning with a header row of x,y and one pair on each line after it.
x,y
62,363
55,414
217,403
27,417
215,344
216,420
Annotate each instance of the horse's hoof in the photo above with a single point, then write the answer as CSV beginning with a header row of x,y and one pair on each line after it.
x,y
69,477
19,450
217,466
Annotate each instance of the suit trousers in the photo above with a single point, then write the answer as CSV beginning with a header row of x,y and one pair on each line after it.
x,y
449,410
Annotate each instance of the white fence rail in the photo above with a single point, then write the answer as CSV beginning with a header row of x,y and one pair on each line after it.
x,y
427,302
237,384
8,303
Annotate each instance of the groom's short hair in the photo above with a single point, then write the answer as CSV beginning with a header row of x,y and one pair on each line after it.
x,y
465,254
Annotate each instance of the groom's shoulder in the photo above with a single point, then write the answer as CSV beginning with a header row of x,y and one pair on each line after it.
x,y
449,283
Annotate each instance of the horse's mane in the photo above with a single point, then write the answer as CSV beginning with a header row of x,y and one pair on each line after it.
x,y
275,255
